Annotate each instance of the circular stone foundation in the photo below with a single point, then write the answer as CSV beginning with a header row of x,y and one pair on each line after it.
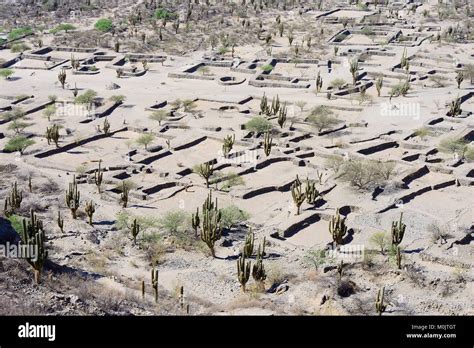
x,y
230,80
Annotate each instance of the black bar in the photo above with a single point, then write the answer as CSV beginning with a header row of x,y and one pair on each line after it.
x,y
275,331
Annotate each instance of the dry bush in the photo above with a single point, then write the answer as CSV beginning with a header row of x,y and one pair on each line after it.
x,y
364,174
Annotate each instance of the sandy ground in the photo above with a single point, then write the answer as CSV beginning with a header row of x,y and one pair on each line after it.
x,y
435,277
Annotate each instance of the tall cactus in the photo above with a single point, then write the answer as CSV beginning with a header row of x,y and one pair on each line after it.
x,y
258,270
399,257
298,195
13,201
73,198
275,105
282,114
337,228
379,305
398,230
264,109
379,84
181,297
60,222
319,83
106,126
195,222
124,195
311,192
205,171
249,244
228,144
135,229
33,236
98,176
267,144
154,282
243,271
459,78
62,77
354,68
211,228
90,210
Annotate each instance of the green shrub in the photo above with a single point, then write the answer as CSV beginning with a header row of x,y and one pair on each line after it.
x,y
380,240
18,143
19,32
162,13
19,47
323,121
258,124
16,222
317,257
267,68
233,179
63,27
233,215
6,73
104,25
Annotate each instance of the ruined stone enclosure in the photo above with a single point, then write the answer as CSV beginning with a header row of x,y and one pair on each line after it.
x,y
296,120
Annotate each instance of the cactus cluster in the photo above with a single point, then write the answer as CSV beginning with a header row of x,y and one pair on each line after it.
x,y
270,110
52,135
73,197
62,77
379,305
398,230
205,171
90,210
228,144
13,200
33,236
337,228
106,126
282,114
275,108
311,192
298,195
249,244
258,270
124,195
455,107
264,108
354,68
74,62
267,144
243,271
